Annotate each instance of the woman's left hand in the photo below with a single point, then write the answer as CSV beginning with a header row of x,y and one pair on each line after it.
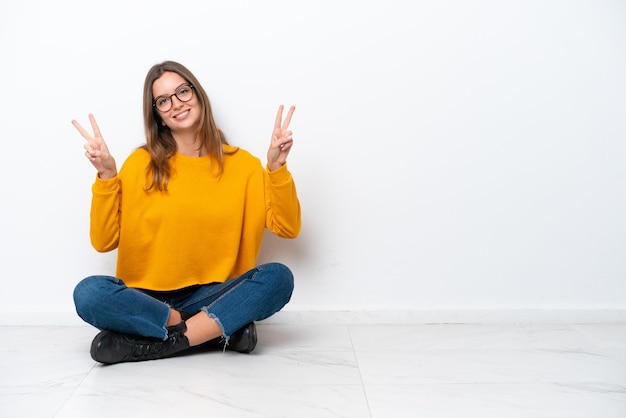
x,y
281,141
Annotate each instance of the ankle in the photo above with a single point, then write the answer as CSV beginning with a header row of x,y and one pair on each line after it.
x,y
178,331
175,318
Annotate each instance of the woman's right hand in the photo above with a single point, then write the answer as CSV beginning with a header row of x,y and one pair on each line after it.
x,y
96,150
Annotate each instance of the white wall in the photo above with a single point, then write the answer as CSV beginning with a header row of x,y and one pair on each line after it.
x,y
449,155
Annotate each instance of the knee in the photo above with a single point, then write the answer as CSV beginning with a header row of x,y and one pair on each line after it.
x,y
89,292
81,293
280,278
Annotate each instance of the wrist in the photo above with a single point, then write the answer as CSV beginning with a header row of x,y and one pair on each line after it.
x,y
274,166
106,175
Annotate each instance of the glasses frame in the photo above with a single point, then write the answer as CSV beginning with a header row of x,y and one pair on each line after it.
x,y
169,97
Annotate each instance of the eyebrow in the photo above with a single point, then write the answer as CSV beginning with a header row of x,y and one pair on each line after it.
x,y
176,89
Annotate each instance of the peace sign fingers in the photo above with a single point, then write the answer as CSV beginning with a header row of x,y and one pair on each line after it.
x,y
279,123
84,133
96,149
281,140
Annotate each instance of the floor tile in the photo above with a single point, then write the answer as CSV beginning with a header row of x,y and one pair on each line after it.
x,y
33,401
488,366
284,338
46,339
332,368
466,337
54,369
604,335
525,400
368,371
213,398
618,354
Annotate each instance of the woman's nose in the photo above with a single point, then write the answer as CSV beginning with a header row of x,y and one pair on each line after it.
x,y
176,102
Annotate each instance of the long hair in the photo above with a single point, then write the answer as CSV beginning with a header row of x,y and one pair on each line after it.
x,y
160,143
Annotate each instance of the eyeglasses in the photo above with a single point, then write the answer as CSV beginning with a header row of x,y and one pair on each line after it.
x,y
184,93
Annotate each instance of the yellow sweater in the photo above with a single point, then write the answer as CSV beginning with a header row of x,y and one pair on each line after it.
x,y
203,229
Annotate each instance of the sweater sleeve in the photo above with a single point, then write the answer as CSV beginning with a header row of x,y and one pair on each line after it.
x,y
105,214
282,206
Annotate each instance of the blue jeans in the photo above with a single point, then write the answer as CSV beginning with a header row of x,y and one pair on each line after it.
x,y
107,303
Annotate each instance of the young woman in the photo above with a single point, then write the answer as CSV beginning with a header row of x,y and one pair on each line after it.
x,y
187,213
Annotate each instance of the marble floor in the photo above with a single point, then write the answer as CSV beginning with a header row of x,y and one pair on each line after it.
x,y
361,371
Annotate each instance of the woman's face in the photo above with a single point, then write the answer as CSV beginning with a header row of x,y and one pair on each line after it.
x,y
182,115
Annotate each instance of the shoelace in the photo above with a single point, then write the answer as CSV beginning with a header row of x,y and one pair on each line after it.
x,y
148,350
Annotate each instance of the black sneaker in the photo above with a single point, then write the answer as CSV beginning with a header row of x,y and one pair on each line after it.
x,y
111,347
243,340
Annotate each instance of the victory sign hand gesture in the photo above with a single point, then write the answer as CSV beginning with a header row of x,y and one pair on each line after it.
x,y
281,141
96,150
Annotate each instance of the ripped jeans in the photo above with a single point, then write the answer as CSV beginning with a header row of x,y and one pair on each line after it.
x,y
106,303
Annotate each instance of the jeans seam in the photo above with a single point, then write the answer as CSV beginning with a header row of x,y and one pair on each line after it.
x,y
235,286
228,290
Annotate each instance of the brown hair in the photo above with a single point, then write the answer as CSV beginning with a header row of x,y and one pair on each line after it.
x,y
160,143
